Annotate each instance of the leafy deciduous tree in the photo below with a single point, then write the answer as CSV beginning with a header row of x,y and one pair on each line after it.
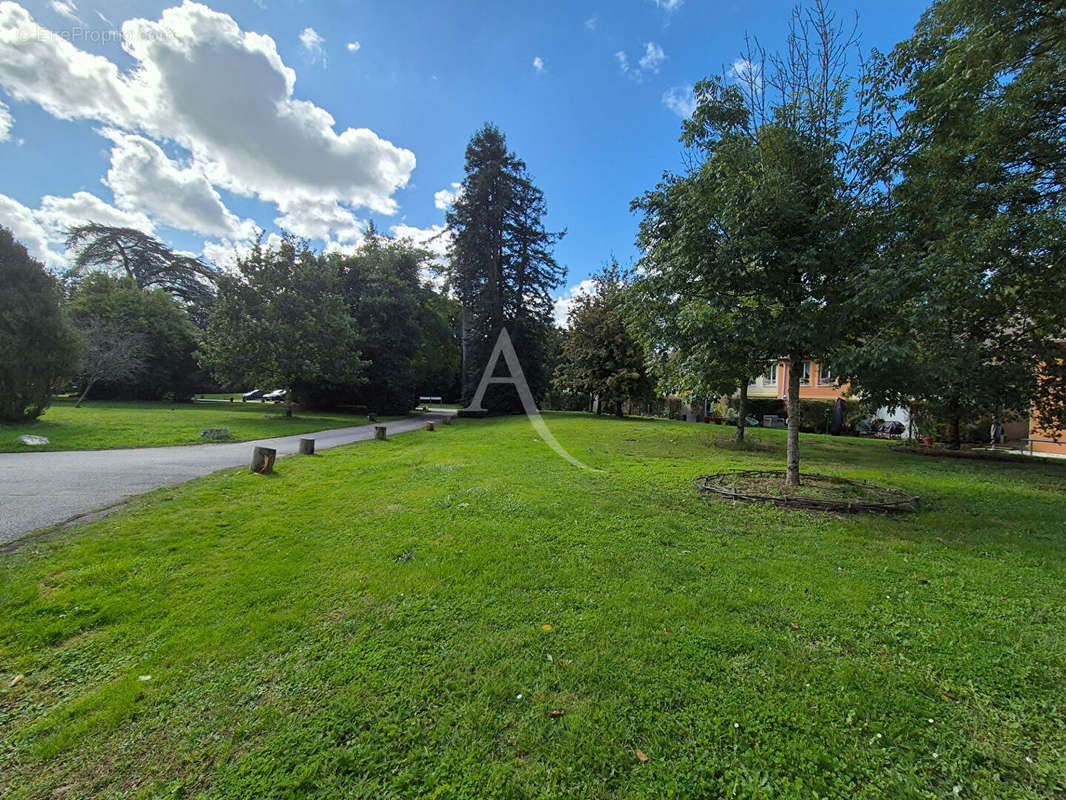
x,y
282,320
599,355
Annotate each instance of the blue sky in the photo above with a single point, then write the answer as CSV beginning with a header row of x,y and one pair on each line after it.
x,y
198,126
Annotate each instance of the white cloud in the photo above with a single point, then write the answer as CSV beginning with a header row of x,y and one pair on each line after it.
x,y
43,230
105,20
669,5
538,64
353,47
221,93
445,198
652,58
6,122
323,219
312,45
564,302
68,10
747,72
142,176
591,23
648,63
680,100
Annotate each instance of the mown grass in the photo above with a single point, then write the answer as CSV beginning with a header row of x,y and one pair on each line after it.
x,y
102,425
401,619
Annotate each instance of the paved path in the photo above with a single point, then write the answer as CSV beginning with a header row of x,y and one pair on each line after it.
x,y
39,490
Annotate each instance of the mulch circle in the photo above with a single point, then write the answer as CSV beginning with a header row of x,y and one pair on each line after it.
x,y
750,486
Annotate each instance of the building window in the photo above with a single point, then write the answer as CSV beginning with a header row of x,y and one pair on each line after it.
x,y
825,376
770,378
805,376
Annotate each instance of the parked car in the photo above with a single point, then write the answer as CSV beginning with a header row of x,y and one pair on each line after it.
x,y
277,394
255,394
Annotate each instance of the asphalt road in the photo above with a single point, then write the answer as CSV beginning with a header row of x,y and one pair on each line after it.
x,y
41,490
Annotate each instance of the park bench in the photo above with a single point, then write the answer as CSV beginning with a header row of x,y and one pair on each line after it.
x,y
423,402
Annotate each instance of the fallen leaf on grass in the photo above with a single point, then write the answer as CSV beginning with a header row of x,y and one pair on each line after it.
x,y
795,625
15,680
556,713
640,755
545,627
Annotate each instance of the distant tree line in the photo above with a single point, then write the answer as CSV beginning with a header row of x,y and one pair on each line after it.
x,y
134,320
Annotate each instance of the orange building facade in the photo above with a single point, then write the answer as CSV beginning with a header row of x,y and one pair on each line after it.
x,y
816,383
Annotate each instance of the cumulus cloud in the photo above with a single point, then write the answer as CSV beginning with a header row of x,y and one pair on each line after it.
x,y
353,47
312,45
669,5
565,302
680,100
323,219
591,23
647,64
44,229
142,176
445,198
538,64
6,122
221,93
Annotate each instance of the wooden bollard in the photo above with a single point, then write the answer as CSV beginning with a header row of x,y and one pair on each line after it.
x,y
307,447
379,432
446,420
263,460
429,426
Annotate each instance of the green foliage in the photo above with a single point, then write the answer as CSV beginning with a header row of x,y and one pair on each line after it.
x,y
599,356
283,321
501,265
437,361
37,346
166,336
381,288
979,209
143,259
368,624
767,245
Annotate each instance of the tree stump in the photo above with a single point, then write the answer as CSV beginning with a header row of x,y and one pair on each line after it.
x,y
379,432
372,417
429,426
307,447
263,460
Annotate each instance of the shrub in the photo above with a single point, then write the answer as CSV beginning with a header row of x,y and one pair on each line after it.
x,y
37,346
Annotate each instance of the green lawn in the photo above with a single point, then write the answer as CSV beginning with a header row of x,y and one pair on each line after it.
x,y
374,622
99,424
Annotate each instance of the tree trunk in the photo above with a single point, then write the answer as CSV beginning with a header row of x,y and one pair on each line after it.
x,y
618,409
742,409
795,370
88,386
288,402
956,424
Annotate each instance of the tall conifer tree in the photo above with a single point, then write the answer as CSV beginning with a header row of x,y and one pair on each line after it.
x,y
501,264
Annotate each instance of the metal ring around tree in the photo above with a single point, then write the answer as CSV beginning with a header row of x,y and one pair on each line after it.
x,y
878,499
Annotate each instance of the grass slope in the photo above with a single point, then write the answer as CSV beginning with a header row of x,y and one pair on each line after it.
x,y
99,425
374,622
